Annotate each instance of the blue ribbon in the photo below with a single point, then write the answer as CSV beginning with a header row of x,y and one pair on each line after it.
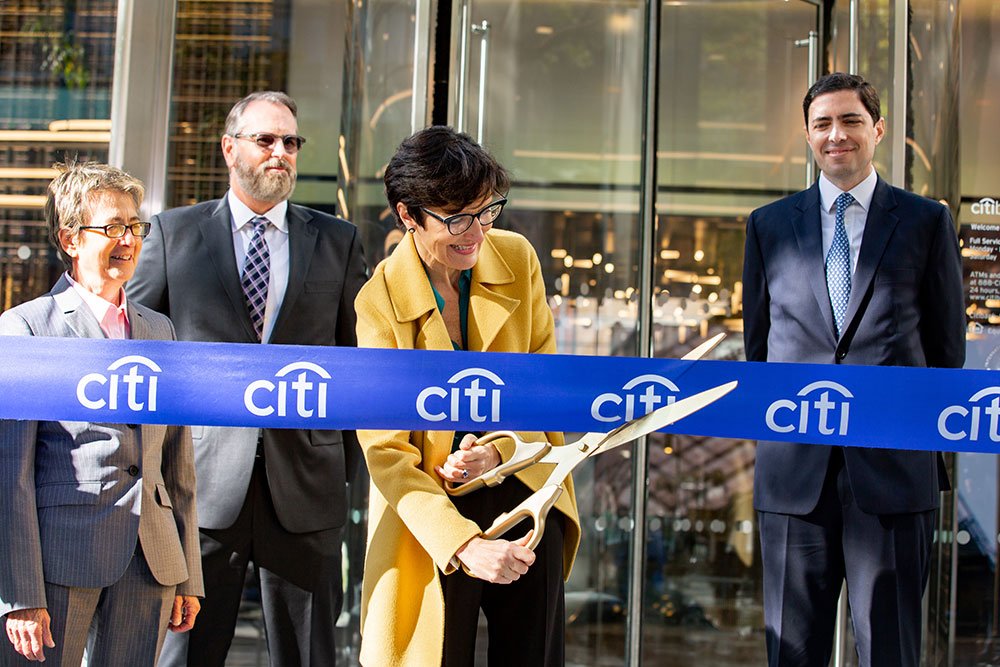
x,y
280,386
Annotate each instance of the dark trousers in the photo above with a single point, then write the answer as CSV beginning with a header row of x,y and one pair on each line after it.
x,y
884,558
525,619
300,588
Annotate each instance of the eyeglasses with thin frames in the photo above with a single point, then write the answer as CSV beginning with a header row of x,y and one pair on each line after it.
x,y
265,140
460,222
116,230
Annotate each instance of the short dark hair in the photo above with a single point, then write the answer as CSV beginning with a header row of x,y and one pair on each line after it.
x,y
439,167
831,83
235,117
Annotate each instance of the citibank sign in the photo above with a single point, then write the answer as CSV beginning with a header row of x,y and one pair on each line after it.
x,y
986,206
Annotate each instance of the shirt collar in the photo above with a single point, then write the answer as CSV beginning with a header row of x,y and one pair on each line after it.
x,y
97,305
862,192
242,215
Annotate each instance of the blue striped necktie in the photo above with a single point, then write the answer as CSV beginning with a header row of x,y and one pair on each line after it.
x,y
256,274
838,265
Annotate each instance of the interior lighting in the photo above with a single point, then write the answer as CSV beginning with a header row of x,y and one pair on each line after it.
x,y
670,254
699,255
558,253
568,261
597,258
620,23
609,268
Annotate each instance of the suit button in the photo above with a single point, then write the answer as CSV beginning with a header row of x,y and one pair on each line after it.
x,y
133,470
841,354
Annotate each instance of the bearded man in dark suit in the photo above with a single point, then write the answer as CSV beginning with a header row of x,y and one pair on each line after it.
x,y
253,268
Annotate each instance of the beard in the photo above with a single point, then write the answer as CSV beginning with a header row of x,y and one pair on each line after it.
x,y
264,185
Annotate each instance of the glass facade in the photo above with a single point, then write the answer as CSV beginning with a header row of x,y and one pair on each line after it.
x,y
555,90
56,68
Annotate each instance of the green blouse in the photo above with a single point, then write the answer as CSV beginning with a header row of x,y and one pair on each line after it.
x,y
464,286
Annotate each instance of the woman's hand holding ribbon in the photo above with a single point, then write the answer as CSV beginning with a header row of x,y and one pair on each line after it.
x,y
469,461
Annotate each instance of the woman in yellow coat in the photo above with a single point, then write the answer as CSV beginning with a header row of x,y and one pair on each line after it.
x,y
455,283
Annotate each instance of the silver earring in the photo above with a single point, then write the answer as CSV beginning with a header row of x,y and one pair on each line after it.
x,y
411,230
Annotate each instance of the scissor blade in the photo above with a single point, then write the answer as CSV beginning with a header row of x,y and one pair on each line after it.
x,y
663,417
703,349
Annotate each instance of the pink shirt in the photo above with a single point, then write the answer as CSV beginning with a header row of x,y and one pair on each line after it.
x,y
112,318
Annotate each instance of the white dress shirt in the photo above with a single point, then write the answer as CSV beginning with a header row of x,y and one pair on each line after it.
x,y
276,237
854,216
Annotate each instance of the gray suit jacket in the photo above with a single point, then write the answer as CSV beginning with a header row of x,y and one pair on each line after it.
x,y
188,272
71,503
906,309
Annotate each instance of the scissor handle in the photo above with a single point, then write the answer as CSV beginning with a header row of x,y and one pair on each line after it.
x,y
525,454
535,507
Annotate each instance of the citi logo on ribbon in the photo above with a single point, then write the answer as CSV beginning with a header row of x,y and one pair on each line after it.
x,y
305,393
814,411
96,391
648,391
969,422
986,206
474,392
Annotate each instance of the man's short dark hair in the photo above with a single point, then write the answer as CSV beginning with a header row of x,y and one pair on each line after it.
x,y
836,81
440,168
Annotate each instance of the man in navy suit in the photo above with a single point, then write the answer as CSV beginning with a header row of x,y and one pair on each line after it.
x,y
872,277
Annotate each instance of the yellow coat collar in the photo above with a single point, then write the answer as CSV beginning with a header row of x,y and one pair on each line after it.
x,y
413,299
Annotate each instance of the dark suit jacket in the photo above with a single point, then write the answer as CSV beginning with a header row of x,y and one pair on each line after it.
x,y
76,496
187,270
906,309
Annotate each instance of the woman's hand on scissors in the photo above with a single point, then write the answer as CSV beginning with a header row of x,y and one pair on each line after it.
x,y
497,561
470,461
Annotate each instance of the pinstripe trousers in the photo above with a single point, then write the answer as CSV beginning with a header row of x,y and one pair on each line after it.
x,y
122,625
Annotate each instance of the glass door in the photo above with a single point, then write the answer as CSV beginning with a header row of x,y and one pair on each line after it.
x,y
732,78
554,90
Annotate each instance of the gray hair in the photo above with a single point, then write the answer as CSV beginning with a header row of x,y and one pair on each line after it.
x,y
235,116
68,197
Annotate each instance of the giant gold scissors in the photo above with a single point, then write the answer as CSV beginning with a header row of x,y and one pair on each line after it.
x,y
567,457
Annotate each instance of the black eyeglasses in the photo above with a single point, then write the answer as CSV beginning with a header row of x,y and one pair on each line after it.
x,y
265,140
460,222
116,230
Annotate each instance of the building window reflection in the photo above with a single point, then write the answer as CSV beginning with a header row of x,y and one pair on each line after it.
x,y
56,67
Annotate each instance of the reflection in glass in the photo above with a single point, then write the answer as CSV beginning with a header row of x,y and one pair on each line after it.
x,y
56,65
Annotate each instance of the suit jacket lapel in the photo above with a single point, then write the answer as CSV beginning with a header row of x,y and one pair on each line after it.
x,y
301,243
489,310
412,298
879,227
140,330
217,231
809,235
78,316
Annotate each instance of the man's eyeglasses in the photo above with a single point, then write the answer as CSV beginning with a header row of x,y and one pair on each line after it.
x,y
265,140
117,230
460,222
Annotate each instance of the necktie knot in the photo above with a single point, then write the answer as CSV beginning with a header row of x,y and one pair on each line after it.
x,y
843,201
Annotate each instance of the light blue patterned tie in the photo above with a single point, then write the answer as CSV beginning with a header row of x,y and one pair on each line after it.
x,y
256,275
838,265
